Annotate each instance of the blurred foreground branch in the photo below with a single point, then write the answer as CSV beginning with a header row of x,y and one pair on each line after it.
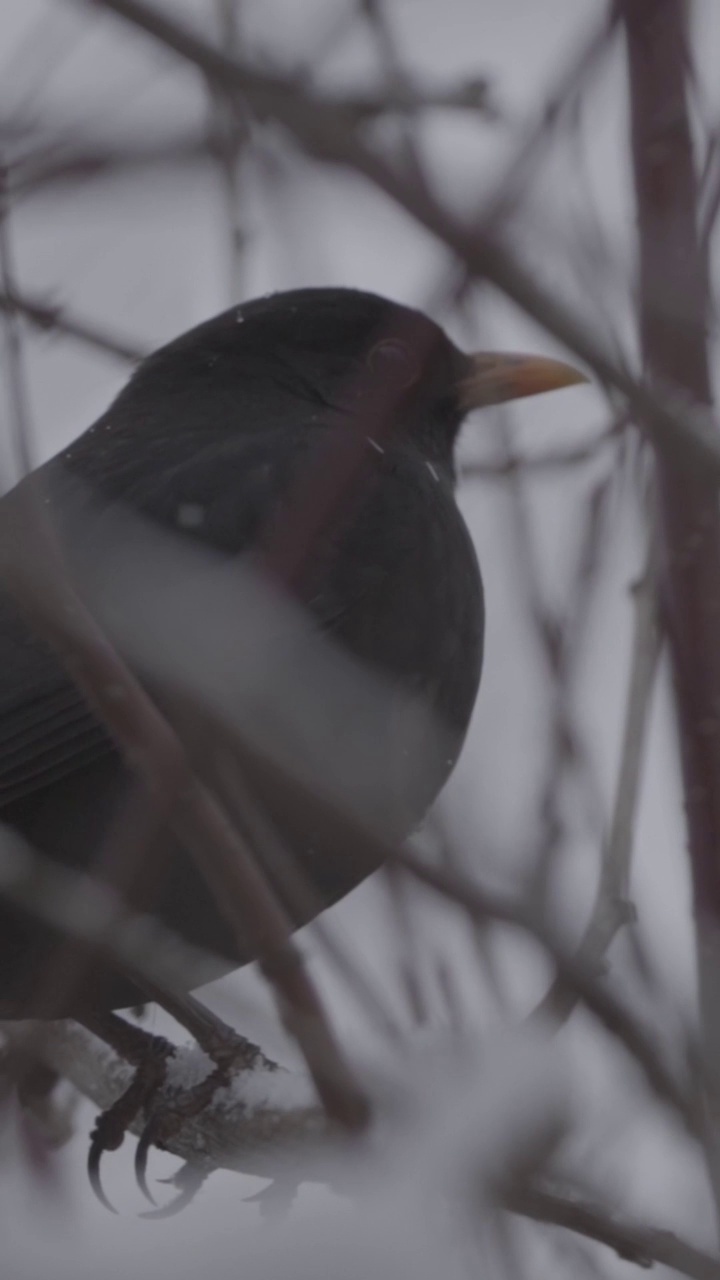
x,y
265,1125
39,583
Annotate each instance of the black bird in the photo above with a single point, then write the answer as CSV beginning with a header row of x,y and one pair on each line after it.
x,y
309,435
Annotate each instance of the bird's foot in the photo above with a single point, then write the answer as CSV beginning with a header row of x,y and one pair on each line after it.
x,y
230,1053
149,1054
227,1050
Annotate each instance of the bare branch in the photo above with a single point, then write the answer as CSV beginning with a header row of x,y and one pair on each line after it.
x,y
231,129
611,909
532,150
331,136
56,163
470,95
632,1241
266,1117
709,195
19,410
557,460
52,319
483,905
674,293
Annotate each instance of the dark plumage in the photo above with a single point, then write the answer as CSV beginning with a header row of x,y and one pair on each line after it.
x,y
219,437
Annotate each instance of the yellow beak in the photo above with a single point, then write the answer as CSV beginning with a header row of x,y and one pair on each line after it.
x,y
494,376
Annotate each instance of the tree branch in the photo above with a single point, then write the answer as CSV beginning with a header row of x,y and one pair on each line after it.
x,y
483,905
611,909
40,584
267,1116
674,293
632,1241
331,136
52,319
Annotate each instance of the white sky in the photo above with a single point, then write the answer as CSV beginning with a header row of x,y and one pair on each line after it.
x,y
146,258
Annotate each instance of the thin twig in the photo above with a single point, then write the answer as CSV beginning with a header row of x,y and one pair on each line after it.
x,y
19,410
632,1241
483,905
709,195
54,163
254,1132
560,643
556,460
532,150
230,128
611,909
52,319
331,136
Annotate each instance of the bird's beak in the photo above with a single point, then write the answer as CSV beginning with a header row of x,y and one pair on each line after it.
x,y
492,376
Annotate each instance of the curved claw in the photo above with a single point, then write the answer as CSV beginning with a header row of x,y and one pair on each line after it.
x,y
177,1205
142,1150
93,1171
193,1178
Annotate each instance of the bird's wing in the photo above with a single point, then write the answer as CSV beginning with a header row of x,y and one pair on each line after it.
x,y
46,728
222,498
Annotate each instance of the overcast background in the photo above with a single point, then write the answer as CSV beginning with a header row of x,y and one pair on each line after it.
x,y
145,255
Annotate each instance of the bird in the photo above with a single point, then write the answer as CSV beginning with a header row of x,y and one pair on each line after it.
x,y
304,439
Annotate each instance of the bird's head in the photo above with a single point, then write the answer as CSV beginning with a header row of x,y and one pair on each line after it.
x,y
339,355
358,352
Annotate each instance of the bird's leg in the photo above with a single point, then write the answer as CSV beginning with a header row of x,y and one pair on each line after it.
x,y
149,1055
229,1052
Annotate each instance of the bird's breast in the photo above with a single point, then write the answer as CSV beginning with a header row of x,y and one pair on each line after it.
x,y
400,589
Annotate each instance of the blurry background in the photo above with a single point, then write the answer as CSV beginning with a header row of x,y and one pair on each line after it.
x,y
128,214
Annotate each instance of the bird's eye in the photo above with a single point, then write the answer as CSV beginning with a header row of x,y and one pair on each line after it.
x,y
394,360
